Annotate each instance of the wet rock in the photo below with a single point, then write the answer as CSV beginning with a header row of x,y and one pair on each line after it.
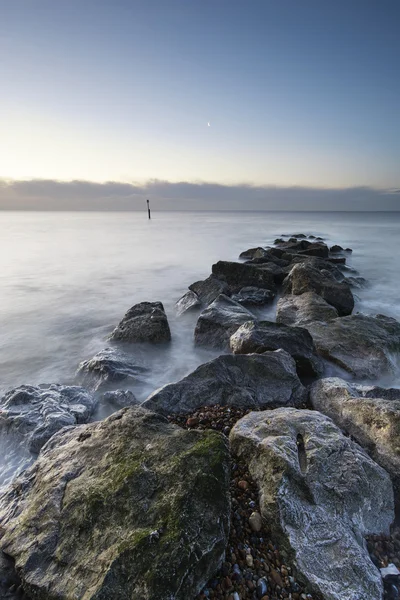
x,y
304,309
246,381
364,413
362,345
253,296
319,264
259,337
35,413
253,253
108,367
189,301
304,278
320,250
120,398
320,514
144,322
255,521
357,282
239,275
218,321
128,507
336,248
209,289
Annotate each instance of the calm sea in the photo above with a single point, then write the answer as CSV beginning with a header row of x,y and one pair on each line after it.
x,y
66,279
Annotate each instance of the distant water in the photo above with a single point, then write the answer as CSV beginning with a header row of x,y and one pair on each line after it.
x,y
66,279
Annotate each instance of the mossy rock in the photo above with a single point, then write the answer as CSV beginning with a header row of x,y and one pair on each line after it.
x,y
129,508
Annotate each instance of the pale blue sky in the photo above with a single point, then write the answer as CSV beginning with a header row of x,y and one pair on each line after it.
x,y
296,92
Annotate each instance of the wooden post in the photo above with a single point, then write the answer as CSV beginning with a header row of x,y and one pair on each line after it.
x,y
148,208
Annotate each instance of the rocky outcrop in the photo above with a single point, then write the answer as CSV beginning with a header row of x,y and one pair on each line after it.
x,y
130,507
371,415
218,321
209,289
239,275
305,278
144,322
252,296
259,337
109,367
362,345
189,301
248,381
37,413
320,494
304,309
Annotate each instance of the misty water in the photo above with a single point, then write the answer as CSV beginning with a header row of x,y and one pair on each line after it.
x,y
66,280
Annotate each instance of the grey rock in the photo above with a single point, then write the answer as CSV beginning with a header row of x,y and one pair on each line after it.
x,y
357,282
246,381
321,494
218,321
362,345
189,301
144,322
120,398
305,278
108,367
253,296
304,309
319,264
9,580
35,413
239,275
129,507
318,249
259,337
209,289
371,419
253,253
336,248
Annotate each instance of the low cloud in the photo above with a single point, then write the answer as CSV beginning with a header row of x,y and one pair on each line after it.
x,y
43,194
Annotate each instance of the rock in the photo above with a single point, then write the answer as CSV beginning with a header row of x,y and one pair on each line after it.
x,y
209,289
318,249
304,309
129,507
277,272
337,260
35,413
304,278
253,296
9,580
336,248
108,367
364,413
320,494
242,380
362,345
255,521
144,322
189,301
218,321
120,398
253,253
357,282
320,264
258,337
239,275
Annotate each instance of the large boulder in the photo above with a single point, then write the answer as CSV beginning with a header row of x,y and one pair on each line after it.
x,y
35,413
209,289
304,309
239,275
305,278
371,415
130,507
321,495
108,367
218,321
259,337
144,322
360,344
244,381
189,301
320,264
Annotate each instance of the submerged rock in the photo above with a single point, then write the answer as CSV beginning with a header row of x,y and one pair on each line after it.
x,y
35,413
320,494
209,289
304,309
239,275
371,415
216,323
264,335
362,345
246,381
144,322
189,301
130,507
253,296
108,367
305,278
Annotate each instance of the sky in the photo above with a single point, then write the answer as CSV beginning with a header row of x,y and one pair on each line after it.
x,y
260,93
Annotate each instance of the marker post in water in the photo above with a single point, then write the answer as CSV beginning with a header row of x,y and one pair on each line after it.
x,y
148,208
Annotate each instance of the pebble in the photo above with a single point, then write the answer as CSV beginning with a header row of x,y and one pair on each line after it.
x,y
255,521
